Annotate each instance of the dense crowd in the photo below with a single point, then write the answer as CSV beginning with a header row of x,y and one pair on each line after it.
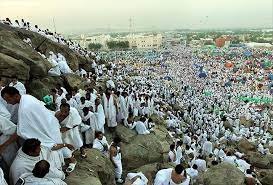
x,y
205,85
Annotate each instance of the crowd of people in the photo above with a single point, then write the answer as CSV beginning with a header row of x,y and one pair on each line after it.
x,y
205,85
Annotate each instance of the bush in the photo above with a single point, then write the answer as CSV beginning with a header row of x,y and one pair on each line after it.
x,y
118,44
94,46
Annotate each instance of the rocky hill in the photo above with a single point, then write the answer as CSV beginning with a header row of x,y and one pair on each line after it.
x,y
21,59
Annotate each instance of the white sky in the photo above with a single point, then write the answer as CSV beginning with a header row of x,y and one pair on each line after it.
x,y
84,15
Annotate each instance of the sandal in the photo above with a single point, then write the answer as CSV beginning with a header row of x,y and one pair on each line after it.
x,y
70,167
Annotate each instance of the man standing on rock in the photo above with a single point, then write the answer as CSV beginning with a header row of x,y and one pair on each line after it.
x,y
115,157
110,109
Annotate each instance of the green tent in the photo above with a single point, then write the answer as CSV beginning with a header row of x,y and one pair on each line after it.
x,y
208,93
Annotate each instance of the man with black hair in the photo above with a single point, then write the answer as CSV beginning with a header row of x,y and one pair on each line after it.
x,y
201,163
70,120
115,157
100,143
35,120
172,154
193,172
30,153
39,175
172,176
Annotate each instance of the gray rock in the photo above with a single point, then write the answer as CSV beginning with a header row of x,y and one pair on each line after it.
x,y
224,174
10,66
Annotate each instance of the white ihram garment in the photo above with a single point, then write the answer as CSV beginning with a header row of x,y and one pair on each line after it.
x,y
36,121
110,111
72,136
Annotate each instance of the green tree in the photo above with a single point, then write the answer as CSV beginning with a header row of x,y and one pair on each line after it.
x,y
94,46
118,44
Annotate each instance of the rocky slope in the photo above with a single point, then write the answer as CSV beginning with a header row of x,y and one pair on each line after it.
x,y
147,154
19,58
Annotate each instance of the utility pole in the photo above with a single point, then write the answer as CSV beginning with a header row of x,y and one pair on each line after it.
x,y
54,25
130,25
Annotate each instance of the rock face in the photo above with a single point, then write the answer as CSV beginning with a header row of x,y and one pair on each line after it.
x,y
45,45
142,150
17,57
125,134
73,81
13,46
266,177
41,87
224,174
245,146
10,66
96,169
258,160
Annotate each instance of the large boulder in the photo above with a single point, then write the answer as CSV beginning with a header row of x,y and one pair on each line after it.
x,y
143,149
73,81
164,139
266,177
258,160
124,133
12,45
224,174
245,146
10,66
96,169
41,87
245,122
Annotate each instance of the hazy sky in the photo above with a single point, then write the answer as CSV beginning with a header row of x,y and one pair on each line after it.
x,y
84,15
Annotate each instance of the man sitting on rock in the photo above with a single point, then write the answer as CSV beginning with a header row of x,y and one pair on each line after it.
x,y
172,176
39,175
30,153
101,143
140,127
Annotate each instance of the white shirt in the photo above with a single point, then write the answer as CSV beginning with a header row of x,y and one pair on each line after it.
x,y
98,144
202,165
192,173
172,156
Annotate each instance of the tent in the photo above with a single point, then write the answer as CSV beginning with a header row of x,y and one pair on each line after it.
x,y
247,53
202,74
229,64
168,78
228,84
266,64
208,93
270,76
